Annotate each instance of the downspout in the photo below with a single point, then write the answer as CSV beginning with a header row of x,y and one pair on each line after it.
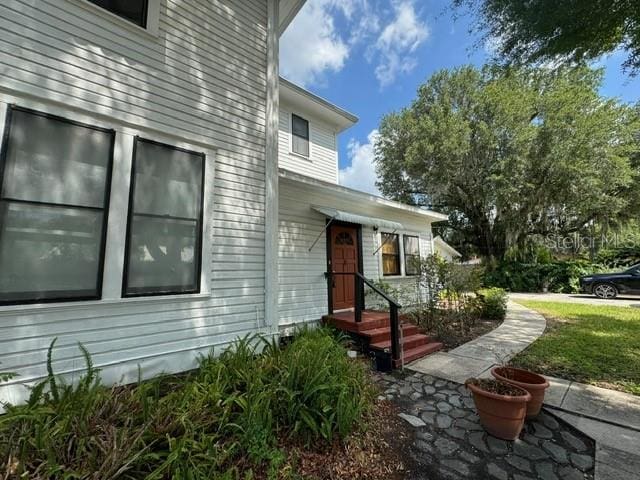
x,y
271,288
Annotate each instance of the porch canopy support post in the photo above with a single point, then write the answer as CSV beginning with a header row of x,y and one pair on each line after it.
x,y
321,232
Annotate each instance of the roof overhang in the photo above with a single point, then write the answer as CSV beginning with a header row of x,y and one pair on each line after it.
x,y
312,104
445,246
288,9
358,197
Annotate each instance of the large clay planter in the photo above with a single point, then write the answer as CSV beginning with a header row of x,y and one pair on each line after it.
x,y
500,415
533,383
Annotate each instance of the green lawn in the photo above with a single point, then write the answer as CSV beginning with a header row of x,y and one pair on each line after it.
x,y
592,344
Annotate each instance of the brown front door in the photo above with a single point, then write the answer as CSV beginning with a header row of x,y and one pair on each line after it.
x,y
344,258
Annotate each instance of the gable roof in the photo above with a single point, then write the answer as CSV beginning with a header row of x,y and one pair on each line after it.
x,y
440,243
288,9
316,105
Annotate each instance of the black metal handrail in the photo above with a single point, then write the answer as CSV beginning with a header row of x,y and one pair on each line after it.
x,y
394,307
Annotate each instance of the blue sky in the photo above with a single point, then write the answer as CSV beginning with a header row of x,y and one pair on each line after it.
x,y
369,57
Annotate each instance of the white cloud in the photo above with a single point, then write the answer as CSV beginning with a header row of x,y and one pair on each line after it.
x,y
398,41
314,46
361,174
311,46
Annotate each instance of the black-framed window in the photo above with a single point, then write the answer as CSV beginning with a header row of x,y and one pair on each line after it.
x,y
411,254
164,226
55,180
390,254
133,10
300,135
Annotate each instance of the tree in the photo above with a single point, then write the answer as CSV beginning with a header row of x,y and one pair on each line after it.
x,y
509,153
565,30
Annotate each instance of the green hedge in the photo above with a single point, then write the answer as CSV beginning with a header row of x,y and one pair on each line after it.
x,y
558,276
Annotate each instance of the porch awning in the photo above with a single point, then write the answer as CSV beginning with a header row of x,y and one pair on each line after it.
x,y
341,215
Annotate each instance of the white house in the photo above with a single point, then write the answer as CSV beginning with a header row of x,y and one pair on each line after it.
x,y
163,192
445,250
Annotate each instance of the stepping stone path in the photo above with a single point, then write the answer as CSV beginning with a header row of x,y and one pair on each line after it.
x,y
450,443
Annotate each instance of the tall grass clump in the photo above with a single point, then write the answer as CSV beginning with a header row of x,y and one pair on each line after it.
x,y
231,418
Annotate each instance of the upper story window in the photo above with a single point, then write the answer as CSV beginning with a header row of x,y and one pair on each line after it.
x,y
164,232
390,254
299,135
55,179
411,254
133,10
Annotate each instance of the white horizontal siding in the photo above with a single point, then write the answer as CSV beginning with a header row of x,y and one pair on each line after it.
x,y
323,155
303,288
201,80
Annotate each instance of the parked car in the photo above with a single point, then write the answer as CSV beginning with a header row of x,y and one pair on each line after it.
x,y
609,285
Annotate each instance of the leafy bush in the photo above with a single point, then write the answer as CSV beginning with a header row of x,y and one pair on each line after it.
x,y
224,420
493,303
558,276
620,256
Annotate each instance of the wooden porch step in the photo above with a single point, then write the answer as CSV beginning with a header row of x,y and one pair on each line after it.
x,y
375,331
419,352
409,342
381,334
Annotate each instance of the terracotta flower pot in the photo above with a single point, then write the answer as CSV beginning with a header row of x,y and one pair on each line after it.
x,y
501,415
533,383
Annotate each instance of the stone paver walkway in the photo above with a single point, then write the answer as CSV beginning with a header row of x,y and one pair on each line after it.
x,y
475,358
451,444
611,418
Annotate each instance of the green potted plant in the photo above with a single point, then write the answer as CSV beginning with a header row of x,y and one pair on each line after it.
x,y
501,406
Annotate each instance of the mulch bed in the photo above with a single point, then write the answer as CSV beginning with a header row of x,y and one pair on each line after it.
x,y
378,453
452,335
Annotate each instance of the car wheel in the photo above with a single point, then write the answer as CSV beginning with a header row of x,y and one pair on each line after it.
x,y
605,290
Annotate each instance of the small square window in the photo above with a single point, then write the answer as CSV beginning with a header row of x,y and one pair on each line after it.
x,y
390,254
300,135
133,10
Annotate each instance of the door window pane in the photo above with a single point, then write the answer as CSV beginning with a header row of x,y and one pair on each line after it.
x,y
55,184
165,221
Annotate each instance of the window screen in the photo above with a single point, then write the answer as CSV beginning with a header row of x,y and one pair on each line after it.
x,y
300,137
53,203
164,231
133,10
390,254
411,254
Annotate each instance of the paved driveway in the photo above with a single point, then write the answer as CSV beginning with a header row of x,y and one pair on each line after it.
x,y
623,301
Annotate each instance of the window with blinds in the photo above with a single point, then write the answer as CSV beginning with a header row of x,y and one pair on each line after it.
x,y
390,254
300,135
164,232
411,254
54,197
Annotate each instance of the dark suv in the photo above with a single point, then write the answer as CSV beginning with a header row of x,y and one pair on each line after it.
x,y
609,285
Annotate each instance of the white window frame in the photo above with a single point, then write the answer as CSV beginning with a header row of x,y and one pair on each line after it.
x,y
153,17
291,152
114,255
401,234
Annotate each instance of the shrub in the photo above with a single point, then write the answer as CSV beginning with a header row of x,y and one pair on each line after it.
x,y
559,276
224,420
493,303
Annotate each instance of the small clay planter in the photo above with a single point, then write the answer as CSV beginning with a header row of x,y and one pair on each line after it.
x,y
533,383
502,415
